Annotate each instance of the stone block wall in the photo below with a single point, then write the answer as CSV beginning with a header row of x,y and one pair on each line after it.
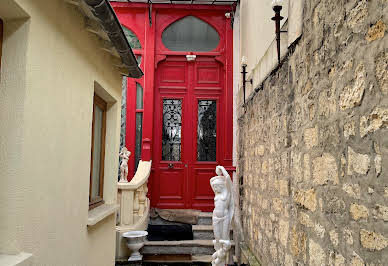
x,y
313,143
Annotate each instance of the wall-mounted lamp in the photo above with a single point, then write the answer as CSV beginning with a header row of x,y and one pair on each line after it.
x,y
244,63
277,6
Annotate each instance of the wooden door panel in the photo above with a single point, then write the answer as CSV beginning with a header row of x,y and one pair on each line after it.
x,y
208,75
173,73
171,184
201,187
202,194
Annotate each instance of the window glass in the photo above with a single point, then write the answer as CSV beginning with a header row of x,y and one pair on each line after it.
x,y
172,125
207,130
96,152
139,126
190,34
139,96
132,39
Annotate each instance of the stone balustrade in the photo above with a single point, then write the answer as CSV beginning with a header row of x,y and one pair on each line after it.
x,y
133,201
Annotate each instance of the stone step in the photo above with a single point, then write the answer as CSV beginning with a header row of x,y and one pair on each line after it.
x,y
203,231
205,218
177,259
192,247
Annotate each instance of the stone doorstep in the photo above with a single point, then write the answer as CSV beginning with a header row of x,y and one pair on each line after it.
x,y
204,231
177,258
182,243
193,247
205,218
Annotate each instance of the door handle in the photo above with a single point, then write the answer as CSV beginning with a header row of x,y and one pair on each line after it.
x,y
170,166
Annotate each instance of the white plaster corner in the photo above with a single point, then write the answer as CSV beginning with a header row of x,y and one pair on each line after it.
x,y
295,20
21,259
101,212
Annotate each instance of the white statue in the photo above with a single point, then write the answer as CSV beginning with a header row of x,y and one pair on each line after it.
x,y
124,154
222,214
221,255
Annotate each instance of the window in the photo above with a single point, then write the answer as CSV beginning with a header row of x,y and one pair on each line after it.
x,y
139,123
172,128
132,38
1,39
207,130
190,34
98,152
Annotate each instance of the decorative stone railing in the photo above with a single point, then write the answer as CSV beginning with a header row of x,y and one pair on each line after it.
x,y
133,201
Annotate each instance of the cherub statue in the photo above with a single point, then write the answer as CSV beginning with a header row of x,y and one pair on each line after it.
x,y
223,210
220,256
124,155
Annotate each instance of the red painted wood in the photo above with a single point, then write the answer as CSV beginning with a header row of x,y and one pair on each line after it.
x,y
169,75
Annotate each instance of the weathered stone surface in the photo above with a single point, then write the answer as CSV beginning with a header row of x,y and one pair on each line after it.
x,y
317,255
382,71
296,168
356,260
358,211
288,261
273,251
336,259
372,240
374,121
305,219
378,164
335,204
376,31
260,150
283,232
349,129
325,170
381,212
277,205
306,199
298,242
283,187
353,190
357,163
307,175
348,236
356,16
311,137
352,95
333,237
306,166
319,230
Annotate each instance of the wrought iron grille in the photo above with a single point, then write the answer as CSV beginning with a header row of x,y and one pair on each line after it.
x,y
207,130
172,130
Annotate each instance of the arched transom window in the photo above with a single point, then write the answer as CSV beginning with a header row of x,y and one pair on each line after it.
x,y
190,34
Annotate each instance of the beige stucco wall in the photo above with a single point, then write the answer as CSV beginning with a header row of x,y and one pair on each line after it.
x,y
257,29
257,41
49,68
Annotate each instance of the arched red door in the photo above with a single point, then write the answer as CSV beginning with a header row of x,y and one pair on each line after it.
x,y
190,108
187,100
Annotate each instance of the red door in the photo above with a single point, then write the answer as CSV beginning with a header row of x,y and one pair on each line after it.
x,y
188,143
188,105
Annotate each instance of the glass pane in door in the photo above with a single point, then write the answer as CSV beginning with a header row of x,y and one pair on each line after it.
x,y
172,130
207,130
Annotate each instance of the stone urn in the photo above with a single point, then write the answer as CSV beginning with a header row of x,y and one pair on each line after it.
x,y
135,241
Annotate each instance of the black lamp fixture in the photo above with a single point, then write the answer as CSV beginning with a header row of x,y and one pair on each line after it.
x,y
277,6
244,63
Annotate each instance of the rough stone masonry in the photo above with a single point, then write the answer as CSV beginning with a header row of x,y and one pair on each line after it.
x,y
313,143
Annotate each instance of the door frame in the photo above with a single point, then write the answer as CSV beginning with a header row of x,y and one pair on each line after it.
x,y
147,34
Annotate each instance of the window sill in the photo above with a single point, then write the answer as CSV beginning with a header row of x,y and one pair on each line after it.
x,y
19,259
100,213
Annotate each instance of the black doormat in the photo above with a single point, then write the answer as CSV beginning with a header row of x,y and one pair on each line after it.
x,y
174,232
